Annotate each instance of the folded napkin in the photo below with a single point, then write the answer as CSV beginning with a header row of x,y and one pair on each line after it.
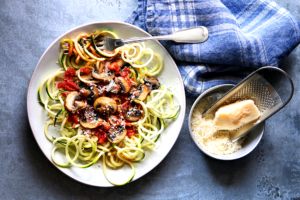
x,y
243,35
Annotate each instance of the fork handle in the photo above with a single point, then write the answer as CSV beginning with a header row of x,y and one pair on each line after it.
x,y
190,35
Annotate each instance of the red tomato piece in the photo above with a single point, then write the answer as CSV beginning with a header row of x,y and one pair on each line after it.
x,y
101,135
126,105
73,118
70,85
70,72
128,81
65,94
85,70
61,85
105,126
125,72
74,124
114,67
130,131
127,123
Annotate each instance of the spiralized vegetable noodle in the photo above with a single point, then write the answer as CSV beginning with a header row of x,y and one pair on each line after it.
x,y
106,104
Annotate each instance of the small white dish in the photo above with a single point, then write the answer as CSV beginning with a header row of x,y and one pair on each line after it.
x,y
252,138
169,76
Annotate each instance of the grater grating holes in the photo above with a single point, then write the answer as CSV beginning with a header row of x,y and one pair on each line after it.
x,y
256,92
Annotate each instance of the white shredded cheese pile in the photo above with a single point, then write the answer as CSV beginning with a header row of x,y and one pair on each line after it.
x,y
206,135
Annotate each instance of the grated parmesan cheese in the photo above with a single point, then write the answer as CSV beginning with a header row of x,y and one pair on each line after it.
x,y
205,132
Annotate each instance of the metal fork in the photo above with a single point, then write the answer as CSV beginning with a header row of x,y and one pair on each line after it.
x,y
190,35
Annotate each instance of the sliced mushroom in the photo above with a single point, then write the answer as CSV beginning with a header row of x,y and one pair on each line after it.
x,y
90,118
113,87
116,134
105,105
143,92
125,87
103,73
133,114
87,77
85,93
95,91
72,102
134,92
152,83
114,120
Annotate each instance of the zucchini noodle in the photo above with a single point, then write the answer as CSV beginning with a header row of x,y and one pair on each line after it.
x,y
83,146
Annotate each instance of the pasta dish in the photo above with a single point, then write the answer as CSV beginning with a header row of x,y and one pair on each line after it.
x,y
105,104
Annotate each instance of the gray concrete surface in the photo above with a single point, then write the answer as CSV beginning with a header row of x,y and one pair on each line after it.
x,y
271,171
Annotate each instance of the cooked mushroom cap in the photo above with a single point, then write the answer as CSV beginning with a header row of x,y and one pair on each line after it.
x,y
95,91
105,105
134,92
91,124
133,114
125,87
90,119
72,103
114,120
87,77
143,92
152,83
113,87
116,134
85,93
103,73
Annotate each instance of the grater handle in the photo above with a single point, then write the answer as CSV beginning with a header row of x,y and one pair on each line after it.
x,y
246,129
289,79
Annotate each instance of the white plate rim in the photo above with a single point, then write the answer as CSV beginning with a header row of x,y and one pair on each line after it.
x,y
183,106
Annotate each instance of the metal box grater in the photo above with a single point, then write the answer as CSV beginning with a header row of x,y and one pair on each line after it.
x,y
257,88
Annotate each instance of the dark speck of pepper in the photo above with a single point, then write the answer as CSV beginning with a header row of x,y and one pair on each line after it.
x,y
109,73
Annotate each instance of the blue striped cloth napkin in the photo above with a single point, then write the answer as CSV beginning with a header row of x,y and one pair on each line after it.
x,y
243,35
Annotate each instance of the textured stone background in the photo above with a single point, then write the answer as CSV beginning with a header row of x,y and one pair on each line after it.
x,y
271,171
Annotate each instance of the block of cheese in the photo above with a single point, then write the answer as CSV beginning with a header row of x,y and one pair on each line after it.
x,y
235,115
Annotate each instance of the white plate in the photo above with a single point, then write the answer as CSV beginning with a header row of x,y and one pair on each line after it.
x,y
37,115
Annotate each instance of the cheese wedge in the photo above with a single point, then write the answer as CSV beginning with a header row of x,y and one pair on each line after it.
x,y
235,115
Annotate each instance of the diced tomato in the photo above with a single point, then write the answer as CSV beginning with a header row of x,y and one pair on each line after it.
x,y
126,105
105,126
125,72
61,85
68,78
70,72
127,123
73,118
85,70
101,135
74,124
114,67
131,131
65,94
128,81
70,85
